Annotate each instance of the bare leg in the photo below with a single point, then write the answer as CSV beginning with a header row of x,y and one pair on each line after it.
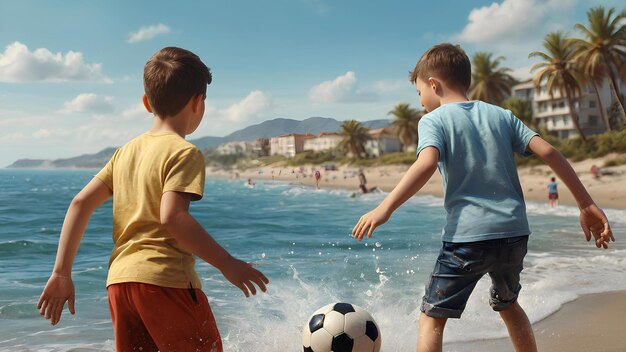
x,y
520,330
430,335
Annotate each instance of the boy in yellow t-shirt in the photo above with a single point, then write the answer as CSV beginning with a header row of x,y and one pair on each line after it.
x,y
155,295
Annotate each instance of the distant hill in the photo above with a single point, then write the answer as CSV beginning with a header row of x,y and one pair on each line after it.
x,y
280,126
96,160
208,142
266,129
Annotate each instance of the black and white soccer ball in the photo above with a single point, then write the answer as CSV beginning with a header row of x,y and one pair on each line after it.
x,y
341,327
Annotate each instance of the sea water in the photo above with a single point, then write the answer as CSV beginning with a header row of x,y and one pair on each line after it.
x,y
300,238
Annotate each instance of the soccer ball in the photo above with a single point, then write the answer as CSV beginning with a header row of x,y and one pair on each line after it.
x,y
341,327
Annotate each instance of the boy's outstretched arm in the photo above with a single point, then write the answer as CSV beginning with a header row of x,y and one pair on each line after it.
x,y
60,287
415,178
192,237
592,218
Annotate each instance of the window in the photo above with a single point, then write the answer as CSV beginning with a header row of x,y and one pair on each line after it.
x,y
593,120
592,103
564,118
561,104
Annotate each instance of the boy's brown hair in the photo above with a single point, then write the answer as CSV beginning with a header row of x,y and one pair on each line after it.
x,y
447,62
171,77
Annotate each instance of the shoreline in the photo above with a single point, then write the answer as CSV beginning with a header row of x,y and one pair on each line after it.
x,y
608,191
590,323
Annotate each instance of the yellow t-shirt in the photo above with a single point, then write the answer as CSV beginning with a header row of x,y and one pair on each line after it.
x,y
138,174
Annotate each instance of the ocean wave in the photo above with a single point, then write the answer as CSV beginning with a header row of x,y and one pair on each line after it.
x,y
26,247
535,208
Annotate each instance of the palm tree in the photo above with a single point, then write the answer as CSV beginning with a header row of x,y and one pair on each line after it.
x,y
559,72
354,137
405,124
522,109
603,51
264,144
490,83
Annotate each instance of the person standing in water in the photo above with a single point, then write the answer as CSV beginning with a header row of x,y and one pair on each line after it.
x,y
318,176
553,194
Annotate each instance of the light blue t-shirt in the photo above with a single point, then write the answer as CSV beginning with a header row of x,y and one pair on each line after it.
x,y
482,193
552,187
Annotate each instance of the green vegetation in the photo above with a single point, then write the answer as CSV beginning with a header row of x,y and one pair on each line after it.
x,y
405,124
406,158
490,82
615,162
272,159
228,161
521,108
354,137
595,146
311,157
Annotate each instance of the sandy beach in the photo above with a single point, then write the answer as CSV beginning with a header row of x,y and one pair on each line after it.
x,y
580,325
609,190
591,323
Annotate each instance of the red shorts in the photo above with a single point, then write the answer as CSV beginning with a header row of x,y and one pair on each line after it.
x,y
553,196
154,318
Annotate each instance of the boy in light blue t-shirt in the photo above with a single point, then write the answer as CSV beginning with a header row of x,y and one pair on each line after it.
x,y
486,232
553,194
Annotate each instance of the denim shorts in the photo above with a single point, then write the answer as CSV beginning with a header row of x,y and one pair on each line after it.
x,y
460,266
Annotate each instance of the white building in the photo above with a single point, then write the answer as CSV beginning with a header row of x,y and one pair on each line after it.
x,y
288,145
382,141
553,113
324,142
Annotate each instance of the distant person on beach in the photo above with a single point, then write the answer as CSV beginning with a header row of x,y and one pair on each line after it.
x,y
250,182
155,295
595,172
363,183
553,194
473,145
318,176
362,179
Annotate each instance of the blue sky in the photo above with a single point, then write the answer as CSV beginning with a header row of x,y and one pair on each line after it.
x,y
71,71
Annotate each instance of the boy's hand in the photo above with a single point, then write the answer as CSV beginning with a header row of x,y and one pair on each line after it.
x,y
370,221
243,275
58,290
594,222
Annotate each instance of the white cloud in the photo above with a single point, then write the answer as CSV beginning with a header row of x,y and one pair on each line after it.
x,y
19,64
339,89
223,120
148,32
255,103
514,19
136,111
45,133
342,89
89,103
11,137
514,28
499,21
